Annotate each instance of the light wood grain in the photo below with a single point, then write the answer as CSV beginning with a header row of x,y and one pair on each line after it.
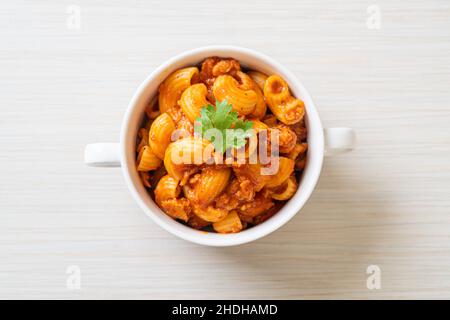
x,y
387,203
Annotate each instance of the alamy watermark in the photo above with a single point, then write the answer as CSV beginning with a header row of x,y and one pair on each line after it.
x,y
373,281
73,281
260,147
373,21
73,21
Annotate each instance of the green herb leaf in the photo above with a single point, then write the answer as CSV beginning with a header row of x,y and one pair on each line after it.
x,y
233,130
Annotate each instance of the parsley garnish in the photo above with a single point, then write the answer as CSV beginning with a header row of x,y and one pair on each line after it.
x,y
226,123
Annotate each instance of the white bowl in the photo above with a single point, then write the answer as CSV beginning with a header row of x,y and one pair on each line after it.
x,y
337,140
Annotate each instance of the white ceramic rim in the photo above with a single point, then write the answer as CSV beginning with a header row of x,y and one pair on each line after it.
x,y
290,209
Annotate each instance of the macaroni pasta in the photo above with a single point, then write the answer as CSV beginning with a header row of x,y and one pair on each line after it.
x,y
181,167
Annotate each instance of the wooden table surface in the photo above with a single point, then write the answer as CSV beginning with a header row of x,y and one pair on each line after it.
x,y
67,72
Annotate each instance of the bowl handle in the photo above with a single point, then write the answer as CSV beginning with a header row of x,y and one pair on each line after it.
x,y
102,155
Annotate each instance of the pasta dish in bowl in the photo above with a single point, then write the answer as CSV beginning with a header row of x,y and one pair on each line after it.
x,y
222,148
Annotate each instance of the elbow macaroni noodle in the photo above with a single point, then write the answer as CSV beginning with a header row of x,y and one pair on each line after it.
x,y
207,190
172,88
160,134
284,106
258,77
210,184
230,224
227,88
192,100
